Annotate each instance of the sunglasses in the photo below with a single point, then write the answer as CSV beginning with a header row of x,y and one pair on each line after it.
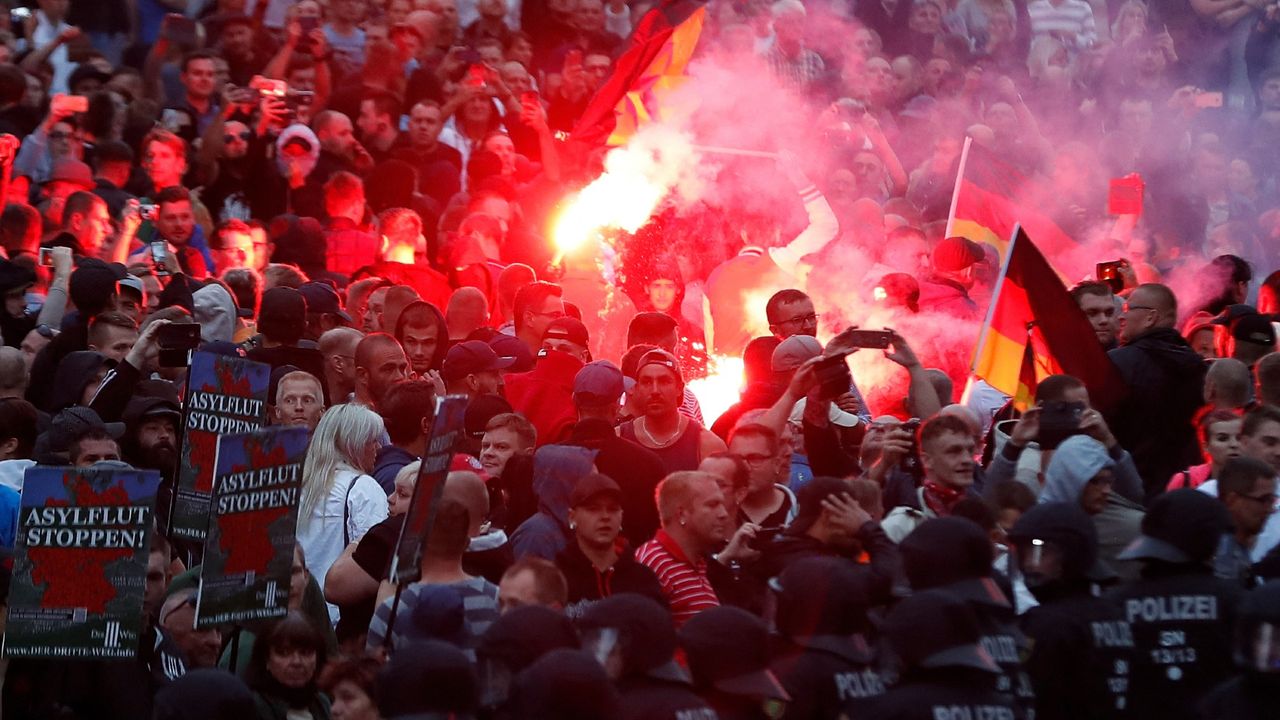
x,y
230,137
59,135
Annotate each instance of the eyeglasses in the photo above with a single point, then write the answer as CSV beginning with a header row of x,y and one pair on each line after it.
x,y
810,319
230,137
1268,499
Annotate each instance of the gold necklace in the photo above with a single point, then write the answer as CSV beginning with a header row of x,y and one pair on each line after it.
x,y
654,442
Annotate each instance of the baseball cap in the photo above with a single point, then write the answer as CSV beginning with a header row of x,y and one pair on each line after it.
x,y
142,407
567,328
513,347
132,282
591,486
70,170
481,410
283,303
92,283
728,649
1197,322
1231,313
75,420
14,276
1182,526
956,253
470,357
600,382
663,358
794,352
900,290
1255,329
323,298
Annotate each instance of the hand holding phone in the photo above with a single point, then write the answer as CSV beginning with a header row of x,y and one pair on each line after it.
x,y
176,341
1111,273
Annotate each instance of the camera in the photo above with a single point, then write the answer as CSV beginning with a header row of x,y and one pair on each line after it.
x,y
1059,420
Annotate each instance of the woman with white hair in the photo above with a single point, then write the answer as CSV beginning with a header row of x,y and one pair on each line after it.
x,y
340,500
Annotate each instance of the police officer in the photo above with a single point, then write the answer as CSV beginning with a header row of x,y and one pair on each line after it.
x,y
945,671
825,662
728,653
1255,693
1180,613
954,554
635,640
1082,647
514,642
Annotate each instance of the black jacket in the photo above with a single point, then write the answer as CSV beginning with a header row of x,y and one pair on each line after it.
x,y
1081,650
643,698
949,692
1166,379
825,676
1252,696
587,584
1182,619
635,468
885,569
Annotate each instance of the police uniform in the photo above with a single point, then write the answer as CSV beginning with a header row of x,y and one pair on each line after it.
x,y
1081,646
947,674
1180,613
955,555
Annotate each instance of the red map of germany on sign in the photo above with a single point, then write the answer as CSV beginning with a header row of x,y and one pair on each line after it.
x,y
77,577
246,537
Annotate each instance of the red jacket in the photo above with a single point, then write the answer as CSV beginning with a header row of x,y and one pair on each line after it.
x,y
544,395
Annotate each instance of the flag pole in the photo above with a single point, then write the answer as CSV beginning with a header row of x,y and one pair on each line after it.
x,y
995,299
955,192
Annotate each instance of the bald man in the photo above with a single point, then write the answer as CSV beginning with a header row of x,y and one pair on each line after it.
x,y
1166,387
13,372
380,363
1228,385
467,312
338,346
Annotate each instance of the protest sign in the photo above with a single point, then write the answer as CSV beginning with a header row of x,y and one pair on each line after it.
x,y
80,565
224,395
248,552
446,434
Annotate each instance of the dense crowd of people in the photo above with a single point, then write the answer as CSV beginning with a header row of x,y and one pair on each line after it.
x,y
360,195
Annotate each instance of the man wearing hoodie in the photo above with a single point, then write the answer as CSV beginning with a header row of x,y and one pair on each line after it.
x,y
1082,646
1165,379
1083,473
557,469
216,313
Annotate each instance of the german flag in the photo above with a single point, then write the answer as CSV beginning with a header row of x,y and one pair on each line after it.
x,y
992,197
652,65
1035,329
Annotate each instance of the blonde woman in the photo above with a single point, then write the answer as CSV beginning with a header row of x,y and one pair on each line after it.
x,y
340,500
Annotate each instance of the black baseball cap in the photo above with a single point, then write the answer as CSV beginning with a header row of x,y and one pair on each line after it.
x,y
661,357
142,407
481,410
514,348
470,357
321,298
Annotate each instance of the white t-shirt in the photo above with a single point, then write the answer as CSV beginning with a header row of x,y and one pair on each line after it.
x,y
362,501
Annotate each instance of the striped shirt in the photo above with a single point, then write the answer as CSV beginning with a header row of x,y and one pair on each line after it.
x,y
685,584
1073,18
479,611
